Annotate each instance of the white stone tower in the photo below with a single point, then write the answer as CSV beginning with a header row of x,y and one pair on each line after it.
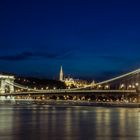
x,y
61,74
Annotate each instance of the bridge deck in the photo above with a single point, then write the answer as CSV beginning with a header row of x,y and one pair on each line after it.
x,y
69,92
81,91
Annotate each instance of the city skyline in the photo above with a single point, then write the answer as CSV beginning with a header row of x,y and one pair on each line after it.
x,y
91,39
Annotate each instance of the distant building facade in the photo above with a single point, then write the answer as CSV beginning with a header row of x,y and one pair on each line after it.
x,y
70,82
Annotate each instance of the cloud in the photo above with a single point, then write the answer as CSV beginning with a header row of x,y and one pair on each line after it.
x,y
36,55
56,55
16,57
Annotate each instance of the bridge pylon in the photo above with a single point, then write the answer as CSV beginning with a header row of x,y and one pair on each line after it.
x,y
6,84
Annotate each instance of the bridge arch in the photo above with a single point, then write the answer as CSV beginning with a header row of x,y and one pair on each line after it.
x,y
7,89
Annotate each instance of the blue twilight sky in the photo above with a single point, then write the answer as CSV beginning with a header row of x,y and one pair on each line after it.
x,y
91,39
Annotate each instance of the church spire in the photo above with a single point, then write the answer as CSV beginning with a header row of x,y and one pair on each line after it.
x,y
61,74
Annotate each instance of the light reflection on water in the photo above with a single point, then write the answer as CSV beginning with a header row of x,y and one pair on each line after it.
x,y
68,123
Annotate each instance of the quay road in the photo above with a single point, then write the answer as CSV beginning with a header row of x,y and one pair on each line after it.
x,y
70,92
71,103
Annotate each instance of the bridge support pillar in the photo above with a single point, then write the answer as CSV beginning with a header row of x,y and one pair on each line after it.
x,y
2,98
6,84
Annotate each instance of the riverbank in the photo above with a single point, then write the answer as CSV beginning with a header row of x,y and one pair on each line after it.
x,y
70,103
89,103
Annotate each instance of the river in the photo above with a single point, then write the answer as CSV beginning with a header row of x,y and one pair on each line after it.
x,y
44,122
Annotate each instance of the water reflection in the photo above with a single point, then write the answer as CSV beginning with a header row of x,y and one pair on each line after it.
x,y
68,123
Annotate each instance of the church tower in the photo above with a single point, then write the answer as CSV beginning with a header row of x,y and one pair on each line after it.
x,y
61,74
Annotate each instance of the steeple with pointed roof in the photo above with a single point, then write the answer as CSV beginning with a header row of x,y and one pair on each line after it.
x,y
61,74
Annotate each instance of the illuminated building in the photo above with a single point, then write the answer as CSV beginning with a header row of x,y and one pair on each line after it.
x,y
70,82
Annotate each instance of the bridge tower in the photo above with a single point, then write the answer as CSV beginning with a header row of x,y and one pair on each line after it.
x,y
6,84
61,74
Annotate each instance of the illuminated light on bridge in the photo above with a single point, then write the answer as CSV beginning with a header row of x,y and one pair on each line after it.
x,y
133,86
99,86
137,84
122,86
107,87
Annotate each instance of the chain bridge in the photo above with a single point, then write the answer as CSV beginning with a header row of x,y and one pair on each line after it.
x,y
124,84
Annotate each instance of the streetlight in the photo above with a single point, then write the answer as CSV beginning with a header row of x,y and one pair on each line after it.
x,y
137,84
133,86
122,86
99,86
130,86
107,86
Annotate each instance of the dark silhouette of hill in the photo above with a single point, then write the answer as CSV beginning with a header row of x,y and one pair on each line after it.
x,y
40,83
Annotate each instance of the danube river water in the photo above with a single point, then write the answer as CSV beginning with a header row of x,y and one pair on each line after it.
x,y
43,122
